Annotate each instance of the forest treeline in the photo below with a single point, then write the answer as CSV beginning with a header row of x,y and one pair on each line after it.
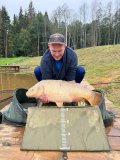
x,y
28,32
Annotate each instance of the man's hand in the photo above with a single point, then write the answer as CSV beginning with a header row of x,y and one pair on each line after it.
x,y
76,99
44,99
72,81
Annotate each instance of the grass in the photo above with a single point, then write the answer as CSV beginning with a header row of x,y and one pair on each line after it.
x,y
32,62
6,61
102,64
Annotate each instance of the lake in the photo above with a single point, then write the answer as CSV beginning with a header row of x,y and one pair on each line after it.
x,y
12,81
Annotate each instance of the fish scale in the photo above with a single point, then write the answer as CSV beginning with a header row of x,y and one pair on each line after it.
x,y
60,91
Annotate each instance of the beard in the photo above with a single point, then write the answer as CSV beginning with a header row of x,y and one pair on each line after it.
x,y
57,57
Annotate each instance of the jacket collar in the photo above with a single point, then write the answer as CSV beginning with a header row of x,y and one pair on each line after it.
x,y
55,71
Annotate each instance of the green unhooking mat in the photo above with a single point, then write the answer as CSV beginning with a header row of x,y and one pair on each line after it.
x,y
66,129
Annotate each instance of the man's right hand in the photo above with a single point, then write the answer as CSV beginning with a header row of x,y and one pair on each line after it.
x,y
44,99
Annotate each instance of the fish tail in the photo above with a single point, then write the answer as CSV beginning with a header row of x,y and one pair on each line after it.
x,y
95,98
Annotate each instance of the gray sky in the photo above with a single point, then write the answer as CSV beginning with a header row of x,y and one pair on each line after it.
x,y
13,6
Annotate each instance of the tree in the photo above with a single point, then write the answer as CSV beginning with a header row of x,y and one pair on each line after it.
x,y
4,30
47,28
24,43
99,16
26,20
83,17
66,17
109,6
0,34
94,24
116,24
31,12
57,15
21,19
36,30
62,16
15,24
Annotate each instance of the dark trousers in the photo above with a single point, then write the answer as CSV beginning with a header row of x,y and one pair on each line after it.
x,y
80,73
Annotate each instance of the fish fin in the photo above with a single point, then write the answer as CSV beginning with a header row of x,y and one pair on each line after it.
x,y
59,104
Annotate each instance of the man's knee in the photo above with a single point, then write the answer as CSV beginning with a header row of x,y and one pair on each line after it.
x,y
80,73
37,70
37,73
80,70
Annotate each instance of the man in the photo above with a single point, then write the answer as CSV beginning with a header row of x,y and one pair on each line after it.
x,y
59,62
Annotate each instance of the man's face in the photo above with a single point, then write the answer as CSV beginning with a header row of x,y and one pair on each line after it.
x,y
57,50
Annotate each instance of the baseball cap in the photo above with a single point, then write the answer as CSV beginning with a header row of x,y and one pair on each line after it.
x,y
57,38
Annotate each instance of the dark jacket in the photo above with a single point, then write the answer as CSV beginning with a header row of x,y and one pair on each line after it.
x,y
68,68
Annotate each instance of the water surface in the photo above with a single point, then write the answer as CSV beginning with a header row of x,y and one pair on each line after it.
x,y
13,81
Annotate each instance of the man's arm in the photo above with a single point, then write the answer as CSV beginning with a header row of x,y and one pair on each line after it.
x,y
70,75
45,70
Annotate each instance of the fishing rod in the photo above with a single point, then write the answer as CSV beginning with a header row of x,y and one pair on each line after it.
x,y
105,83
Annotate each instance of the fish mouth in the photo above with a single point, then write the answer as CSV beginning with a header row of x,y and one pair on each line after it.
x,y
28,94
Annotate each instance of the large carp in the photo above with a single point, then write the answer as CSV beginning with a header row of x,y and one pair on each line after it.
x,y
60,91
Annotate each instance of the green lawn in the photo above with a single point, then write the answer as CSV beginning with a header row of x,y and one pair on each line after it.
x,y
5,61
102,64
